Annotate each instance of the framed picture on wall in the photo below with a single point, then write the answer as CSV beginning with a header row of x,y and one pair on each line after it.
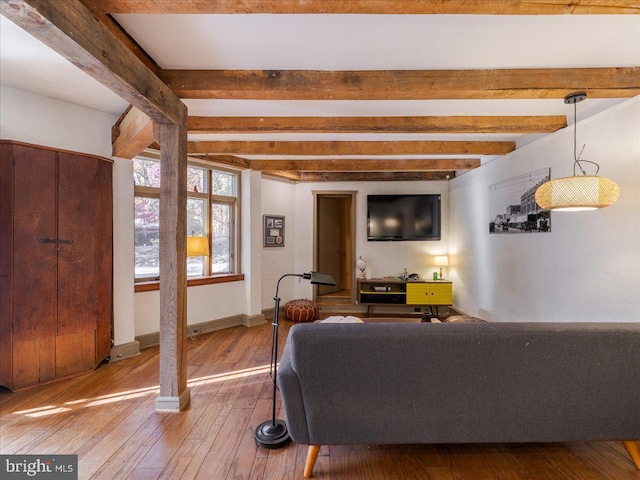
x,y
513,205
273,230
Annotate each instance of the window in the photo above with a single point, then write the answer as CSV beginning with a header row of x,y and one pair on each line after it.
x,y
211,213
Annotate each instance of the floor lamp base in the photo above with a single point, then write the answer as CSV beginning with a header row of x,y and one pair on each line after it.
x,y
268,436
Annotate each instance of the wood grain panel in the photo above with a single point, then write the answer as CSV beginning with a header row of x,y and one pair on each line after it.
x,y
415,147
6,263
35,265
104,260
77,280
377,7
330,246
535,83
34,359
75,352
368,165
173,259
135,134
435,124
367,176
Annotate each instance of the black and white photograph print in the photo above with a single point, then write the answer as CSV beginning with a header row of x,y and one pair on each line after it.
x,y
273,230
513,206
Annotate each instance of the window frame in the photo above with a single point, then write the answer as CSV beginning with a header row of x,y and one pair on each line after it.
x,y
210,199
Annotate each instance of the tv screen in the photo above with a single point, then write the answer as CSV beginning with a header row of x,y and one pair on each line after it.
x,y
403,217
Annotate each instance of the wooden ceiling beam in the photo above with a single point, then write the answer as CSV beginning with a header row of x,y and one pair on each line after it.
x,y
71,30
535,83
372,176
424,124
362,165
229,160
293,176
317,148
395,7
135,134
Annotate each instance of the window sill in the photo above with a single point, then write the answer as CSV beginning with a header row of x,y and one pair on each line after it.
x,y
192,282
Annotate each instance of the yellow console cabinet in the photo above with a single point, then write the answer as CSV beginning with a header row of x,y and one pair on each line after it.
x,y
429,293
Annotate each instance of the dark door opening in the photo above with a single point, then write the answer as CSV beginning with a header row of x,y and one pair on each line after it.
x,y
334,245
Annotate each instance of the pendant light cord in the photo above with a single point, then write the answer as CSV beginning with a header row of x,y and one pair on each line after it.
x,y
576,158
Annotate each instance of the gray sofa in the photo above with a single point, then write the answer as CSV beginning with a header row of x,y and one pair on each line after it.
x,y
393,383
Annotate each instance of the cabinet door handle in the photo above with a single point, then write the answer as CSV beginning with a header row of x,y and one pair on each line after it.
x,y
55,240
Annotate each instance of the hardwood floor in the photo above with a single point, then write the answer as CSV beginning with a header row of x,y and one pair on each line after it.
x,y
108,419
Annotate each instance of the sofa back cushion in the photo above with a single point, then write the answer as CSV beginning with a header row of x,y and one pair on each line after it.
x,y
448,383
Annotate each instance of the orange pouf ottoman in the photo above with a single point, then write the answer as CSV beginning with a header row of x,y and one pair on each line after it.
x,y
301,310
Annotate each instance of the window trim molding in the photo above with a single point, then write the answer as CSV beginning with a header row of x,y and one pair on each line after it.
x,y
192,282
147,283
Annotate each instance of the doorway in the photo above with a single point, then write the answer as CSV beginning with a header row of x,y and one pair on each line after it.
x,y
334,245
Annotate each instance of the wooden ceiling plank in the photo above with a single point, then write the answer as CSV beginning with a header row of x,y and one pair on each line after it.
x,y
372,176
71,30
136,134
413,7
362,165
536,83
424,124
317,148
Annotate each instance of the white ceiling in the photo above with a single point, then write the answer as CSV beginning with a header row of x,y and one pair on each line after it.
x,y
28,64
385,42
342,42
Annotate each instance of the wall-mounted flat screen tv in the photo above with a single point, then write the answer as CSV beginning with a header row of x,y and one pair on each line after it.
x,y
403,217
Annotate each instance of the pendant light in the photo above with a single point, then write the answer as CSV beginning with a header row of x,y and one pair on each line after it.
x,y
578,192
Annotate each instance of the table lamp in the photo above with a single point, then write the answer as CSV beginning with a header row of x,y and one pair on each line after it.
x,y
441,261
361,264
197,246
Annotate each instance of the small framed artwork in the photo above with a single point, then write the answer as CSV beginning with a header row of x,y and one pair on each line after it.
x,y
273,230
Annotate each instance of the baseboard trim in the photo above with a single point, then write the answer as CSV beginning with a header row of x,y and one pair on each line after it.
x,y
126,350
153,339
253,320
174,404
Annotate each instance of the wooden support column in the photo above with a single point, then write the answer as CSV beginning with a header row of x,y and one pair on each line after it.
x,y
174,394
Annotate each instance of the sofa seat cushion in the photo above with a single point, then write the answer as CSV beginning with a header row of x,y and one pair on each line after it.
x,y
301,310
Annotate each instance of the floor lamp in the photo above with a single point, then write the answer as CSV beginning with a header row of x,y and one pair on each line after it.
x,y
273,433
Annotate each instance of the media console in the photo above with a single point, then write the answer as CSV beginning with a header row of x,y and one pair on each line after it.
x,y
380,291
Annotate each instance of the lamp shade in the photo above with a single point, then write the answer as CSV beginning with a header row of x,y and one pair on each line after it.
x,y
197,246
441,261
586,192
361,263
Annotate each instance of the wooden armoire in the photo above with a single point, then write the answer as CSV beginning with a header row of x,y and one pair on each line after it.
x,y
56,257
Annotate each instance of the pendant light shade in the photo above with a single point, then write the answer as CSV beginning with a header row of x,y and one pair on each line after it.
x,y
586,192
579,192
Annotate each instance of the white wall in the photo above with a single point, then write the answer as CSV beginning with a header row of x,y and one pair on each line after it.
x,y
206,303
278,199
588,267
384,258
123,254
31,118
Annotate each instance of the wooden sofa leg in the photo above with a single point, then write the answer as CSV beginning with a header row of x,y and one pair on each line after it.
x,y
312,456
634,451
